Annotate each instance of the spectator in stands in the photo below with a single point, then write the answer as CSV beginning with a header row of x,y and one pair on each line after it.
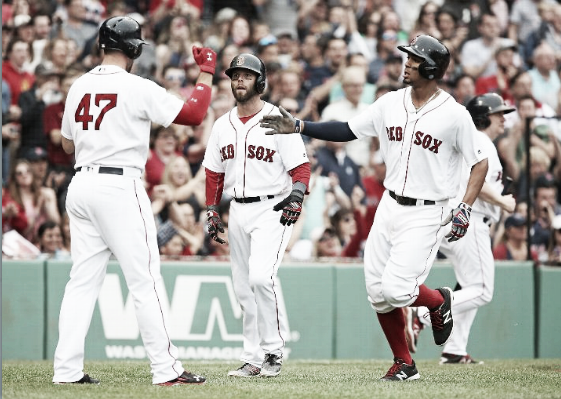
x,y
426,21
192,232
524,19
163,150
513,245
353,80
39,202
42,25
333,158
239,32
328,244
316,71
75,27
452,34
18,53
38,161
170,242
33,102
506,68
546,207
463,88
554,247
173,45
55,55
478,55
52,123
195,144
218,31
387,43
373,183
545,75
13,214
50,240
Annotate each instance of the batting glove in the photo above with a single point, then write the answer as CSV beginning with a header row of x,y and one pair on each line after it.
x,y
460,221
292,205
281,124
214,224
205,59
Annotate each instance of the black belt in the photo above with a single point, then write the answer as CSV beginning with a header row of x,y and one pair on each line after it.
x,y
108,170
249,200
409,201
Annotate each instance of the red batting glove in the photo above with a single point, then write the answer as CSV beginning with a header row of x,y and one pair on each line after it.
x,y
205,59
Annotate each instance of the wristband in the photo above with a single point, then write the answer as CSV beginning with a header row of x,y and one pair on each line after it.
x,y
298,127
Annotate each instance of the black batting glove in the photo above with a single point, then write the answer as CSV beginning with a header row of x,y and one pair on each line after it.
x,y
292,205
460,222
214,224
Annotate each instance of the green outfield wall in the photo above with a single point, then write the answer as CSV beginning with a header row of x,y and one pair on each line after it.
x,y
325,306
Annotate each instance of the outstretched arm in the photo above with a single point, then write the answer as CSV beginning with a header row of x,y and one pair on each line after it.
x,y
287,124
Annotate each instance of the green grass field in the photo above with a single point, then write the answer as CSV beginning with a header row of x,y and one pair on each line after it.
x,y
510,379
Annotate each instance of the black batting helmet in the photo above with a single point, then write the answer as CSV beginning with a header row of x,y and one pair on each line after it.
x,y
435,55
480,107
123,34
251,63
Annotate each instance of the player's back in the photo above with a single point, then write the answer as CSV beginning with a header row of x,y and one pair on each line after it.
x,y
108,115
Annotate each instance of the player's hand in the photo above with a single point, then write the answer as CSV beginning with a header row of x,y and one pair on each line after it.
x,y
214,224
205,58
280,124
460,221
291,207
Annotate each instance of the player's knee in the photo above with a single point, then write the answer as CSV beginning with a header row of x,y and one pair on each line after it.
x,y
258,281
394,298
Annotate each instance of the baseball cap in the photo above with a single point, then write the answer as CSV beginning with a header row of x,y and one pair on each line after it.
x,y
507,44
35,154
165,233
545,181
515,220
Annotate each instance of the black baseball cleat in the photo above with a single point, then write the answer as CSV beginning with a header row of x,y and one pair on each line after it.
x,y
86,379
401,371
441,318
449,358
271,366
186,378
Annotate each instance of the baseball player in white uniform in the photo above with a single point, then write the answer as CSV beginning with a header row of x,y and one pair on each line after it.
x,y
472,257
263,175
424,137
106,123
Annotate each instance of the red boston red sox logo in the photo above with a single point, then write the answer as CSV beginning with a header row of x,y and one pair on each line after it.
x,y
426,141
253,152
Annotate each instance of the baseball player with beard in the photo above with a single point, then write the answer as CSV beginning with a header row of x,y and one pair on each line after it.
x,y
106,123
472,258
264,175
425,135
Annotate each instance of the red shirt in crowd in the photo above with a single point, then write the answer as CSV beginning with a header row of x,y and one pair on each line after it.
x,y
52,120
18,81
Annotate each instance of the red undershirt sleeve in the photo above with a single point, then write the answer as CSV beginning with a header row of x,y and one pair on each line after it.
x,y
302,174
195,108
214,187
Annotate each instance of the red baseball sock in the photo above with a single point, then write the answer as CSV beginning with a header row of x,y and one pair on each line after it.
x,y
393,325
432,299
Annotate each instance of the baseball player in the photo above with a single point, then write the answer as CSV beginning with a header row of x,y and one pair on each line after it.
x,y
424,136
106,123
263,175
472,257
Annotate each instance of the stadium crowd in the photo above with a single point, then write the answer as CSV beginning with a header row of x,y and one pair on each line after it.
x,y
326,60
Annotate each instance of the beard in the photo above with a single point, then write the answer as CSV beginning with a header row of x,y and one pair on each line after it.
x,y
244,97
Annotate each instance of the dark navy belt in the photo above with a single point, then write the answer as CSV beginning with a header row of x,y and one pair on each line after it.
x,y
108,170
249,200
410,201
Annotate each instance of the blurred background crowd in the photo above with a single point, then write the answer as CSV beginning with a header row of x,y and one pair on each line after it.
x,y
326,60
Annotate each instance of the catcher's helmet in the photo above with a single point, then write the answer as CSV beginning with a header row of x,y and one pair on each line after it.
x,y
480,107
251,63
123,34
435,55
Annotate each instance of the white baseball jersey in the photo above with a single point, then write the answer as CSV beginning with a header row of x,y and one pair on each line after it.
x,y
255,164
420,149
110,126
108,114
494,178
